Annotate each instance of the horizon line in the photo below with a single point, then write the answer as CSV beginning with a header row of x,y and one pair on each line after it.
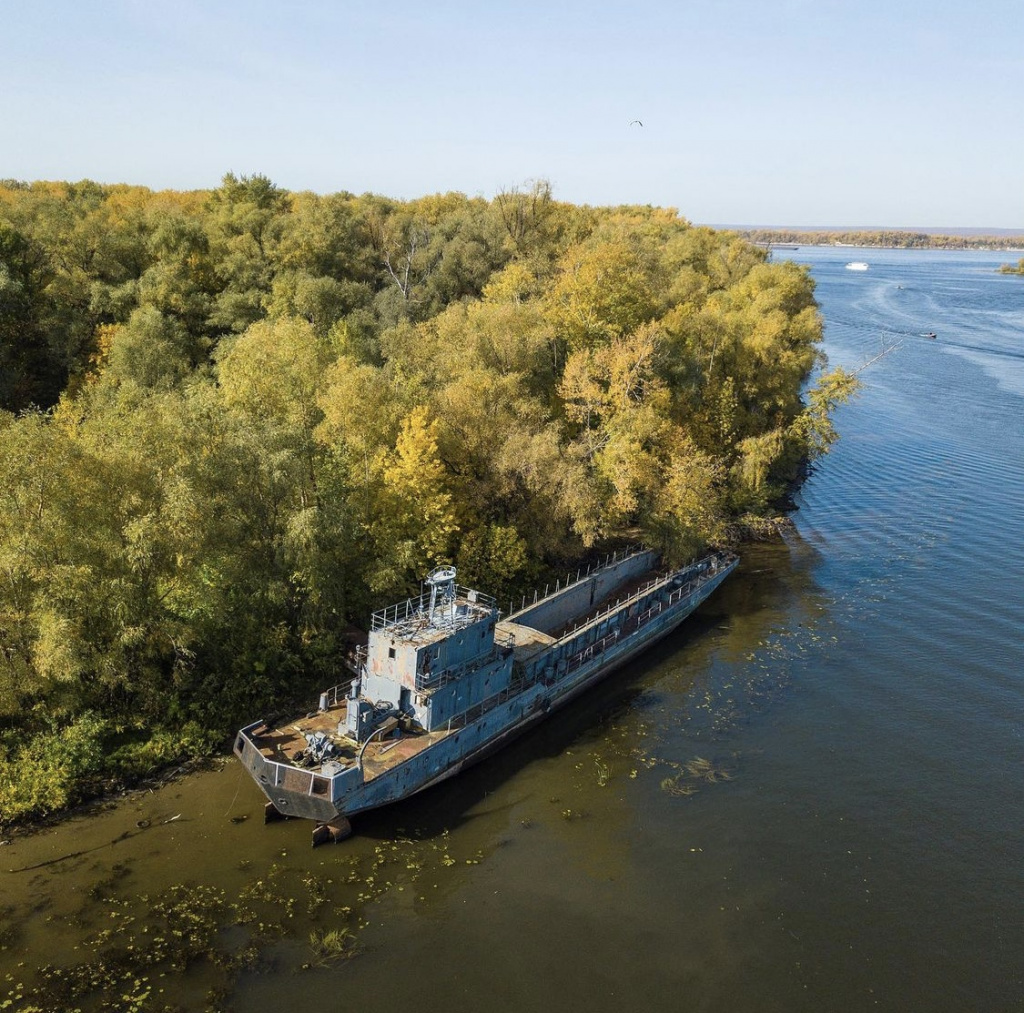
x,y
930,230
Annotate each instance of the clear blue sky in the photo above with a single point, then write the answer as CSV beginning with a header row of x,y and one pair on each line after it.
x,y
803,112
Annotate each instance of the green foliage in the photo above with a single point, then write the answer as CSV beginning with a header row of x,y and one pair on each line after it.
x,y
271,373
690,507
45,772
812,428
602,292
30,371
139,753
151,350
260,414
496,557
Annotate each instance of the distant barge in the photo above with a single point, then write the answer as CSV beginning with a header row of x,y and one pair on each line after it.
x,y
444,680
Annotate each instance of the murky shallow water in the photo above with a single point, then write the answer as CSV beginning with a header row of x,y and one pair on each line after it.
x,y
808,799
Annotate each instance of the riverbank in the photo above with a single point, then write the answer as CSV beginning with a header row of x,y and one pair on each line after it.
x,y
885,240
113,794
104,783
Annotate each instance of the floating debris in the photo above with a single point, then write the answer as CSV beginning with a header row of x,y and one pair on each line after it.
x,y
697,771
705,770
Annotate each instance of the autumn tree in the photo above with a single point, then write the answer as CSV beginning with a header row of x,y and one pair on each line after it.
x,y
415,521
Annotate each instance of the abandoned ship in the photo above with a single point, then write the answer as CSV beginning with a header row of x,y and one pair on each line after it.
x,y
444,680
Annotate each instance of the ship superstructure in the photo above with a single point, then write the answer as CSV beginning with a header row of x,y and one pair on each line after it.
x,y
444,679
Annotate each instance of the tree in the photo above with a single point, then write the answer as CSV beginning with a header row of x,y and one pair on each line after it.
x,y
524,214
690,508
151,350
415,521
272,373
813,428
602,292
30,372
181,280
247,214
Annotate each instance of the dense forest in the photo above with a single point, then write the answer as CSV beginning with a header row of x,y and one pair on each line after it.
x,y
889,239
233,421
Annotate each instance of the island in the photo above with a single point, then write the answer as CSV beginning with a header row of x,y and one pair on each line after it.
x,y
236,421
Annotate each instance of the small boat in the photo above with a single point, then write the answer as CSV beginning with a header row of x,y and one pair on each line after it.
x,y
856,265
929,334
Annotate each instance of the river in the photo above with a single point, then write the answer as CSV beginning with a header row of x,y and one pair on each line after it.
x,y
810,798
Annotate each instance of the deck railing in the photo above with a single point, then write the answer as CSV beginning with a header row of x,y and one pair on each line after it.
x,y
337,693
571,581
418,609
272,774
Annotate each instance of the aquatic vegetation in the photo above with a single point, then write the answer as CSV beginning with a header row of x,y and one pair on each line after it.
x,y
677,786
332,944
316,889
184,947
143,941
693,773
191,918
705,770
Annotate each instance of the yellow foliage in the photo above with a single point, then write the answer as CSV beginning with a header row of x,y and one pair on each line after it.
x,y
514,284
690,511
273,371
757,455
415,519
602,292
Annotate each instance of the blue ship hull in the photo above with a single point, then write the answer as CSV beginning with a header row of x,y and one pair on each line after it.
x,y
444,685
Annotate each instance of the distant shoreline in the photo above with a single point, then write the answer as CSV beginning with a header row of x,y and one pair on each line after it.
x,y
884,239
874,246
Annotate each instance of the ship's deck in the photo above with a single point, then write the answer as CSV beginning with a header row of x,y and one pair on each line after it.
x,y
526,641
282,742
383,754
